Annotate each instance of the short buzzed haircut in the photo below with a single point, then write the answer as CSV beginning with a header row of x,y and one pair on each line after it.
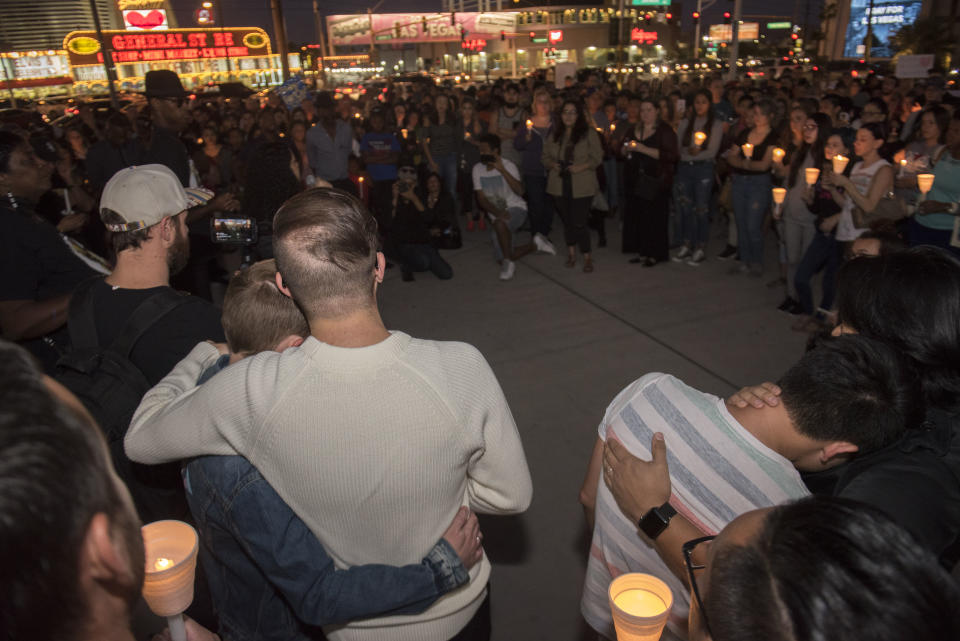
x,y
256,314
855,389
325,242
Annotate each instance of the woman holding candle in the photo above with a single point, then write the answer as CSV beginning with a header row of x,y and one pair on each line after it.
x,y
529,141
935,222
797,224
650,152
870,181
823,253
752,185
700,136
920,155
572,154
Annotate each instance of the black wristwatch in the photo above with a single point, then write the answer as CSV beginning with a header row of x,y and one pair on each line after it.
x,y
656,520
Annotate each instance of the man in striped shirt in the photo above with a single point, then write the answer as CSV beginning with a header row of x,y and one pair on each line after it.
x,y
849,394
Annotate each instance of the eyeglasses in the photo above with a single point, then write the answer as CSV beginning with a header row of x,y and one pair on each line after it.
x,y
810,127
688,548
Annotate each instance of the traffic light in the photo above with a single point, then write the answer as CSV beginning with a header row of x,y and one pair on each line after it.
x,y
532,34
696,17
463,34
794,36
669,17
727,17
648,18
503,35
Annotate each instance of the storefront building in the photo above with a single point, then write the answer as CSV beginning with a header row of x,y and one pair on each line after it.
x,y
506,43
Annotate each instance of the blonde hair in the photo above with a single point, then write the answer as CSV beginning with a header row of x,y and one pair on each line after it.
x,y
256,314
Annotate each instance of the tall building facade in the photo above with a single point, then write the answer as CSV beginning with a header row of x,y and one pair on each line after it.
x,y
29,25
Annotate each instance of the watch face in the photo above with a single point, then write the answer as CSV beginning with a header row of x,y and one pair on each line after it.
x,y
656,520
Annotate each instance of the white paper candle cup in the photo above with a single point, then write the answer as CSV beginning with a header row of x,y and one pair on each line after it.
x,y
812,173
925,183
840,164
747,149
169,591
779,194
646,622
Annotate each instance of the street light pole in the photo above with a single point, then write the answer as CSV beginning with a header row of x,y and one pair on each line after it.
x,y
220,21
281,33
735,38
696,31
107,56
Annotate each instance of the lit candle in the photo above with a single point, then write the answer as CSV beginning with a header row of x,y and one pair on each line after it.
x,y
747,150
925,183
812,173
529,124
600,130
360,186
779,194
778,154
168,579
839,163
640,603
403,132
356,115
466,135
162,564
613,127
699,138
903,166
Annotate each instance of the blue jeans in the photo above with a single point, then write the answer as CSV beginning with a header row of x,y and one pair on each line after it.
x,y
421,258
691,191
447,168
751,199
824,253
539,206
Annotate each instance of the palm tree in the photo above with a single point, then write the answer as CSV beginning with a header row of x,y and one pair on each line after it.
x,y
926,35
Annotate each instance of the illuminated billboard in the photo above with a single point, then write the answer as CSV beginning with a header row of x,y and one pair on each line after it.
x,y
724,32
887,17
399,28
83,48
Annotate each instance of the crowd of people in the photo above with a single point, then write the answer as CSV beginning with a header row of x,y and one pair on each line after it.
x,y
333,467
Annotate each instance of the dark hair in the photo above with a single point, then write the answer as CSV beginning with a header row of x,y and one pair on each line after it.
x,y
325,242
911,301
815,150
490,139
885,231
853,388
118,241
580,127
941,116
269,181
53,480
880,104
708,127
825,568
877,129
256,314
767,107
9,142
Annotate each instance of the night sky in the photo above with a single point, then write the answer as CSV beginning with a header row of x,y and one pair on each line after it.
x,y
300,26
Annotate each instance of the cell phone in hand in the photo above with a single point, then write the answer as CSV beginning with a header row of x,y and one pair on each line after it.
x,y
236,231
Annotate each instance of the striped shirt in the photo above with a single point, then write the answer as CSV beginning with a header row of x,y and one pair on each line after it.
x,y
718,470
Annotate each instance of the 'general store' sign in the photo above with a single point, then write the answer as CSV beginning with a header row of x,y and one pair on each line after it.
x,y
83,47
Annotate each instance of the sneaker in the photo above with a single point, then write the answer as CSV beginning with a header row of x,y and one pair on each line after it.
x,y
543,245
738,269
697,258
729,252
508,270
680,255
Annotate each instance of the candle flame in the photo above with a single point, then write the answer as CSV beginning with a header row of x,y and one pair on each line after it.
x,y
529,124
699,137
162,564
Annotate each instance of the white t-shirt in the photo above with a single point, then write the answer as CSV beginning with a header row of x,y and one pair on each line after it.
x,y
862,178
495,187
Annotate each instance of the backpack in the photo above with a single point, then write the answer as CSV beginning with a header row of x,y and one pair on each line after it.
x,y
108,384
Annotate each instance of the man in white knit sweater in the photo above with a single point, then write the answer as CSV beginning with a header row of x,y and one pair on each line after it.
x,y
372,437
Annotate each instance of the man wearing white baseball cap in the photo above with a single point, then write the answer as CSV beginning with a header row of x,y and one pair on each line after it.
x,y
134,313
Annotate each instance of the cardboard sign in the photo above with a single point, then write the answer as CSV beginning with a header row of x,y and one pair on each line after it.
x,y
914,66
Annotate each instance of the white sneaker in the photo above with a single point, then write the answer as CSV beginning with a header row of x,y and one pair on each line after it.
x,y
697,258
508,270
544,245
683,253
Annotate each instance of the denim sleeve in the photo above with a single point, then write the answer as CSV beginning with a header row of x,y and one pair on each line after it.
x,y
299,567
